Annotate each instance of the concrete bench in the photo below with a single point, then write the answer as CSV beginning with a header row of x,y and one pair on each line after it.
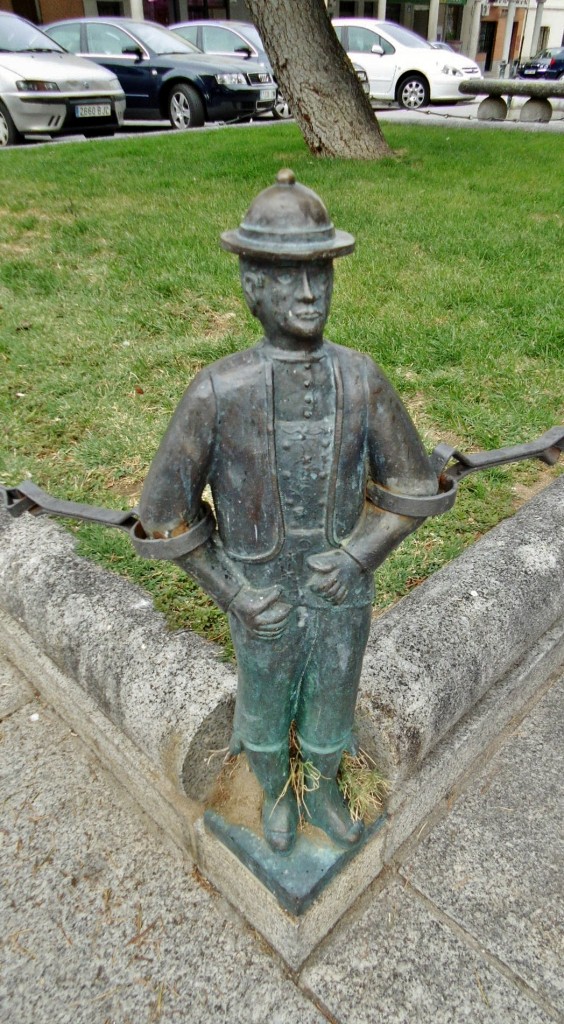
x,y
494,107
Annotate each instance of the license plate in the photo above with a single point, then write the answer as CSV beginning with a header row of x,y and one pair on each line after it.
x,y
94,110
530,71
268,94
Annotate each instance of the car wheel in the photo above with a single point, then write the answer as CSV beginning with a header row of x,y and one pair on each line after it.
x,y
413,92
185,108
281,110
9,134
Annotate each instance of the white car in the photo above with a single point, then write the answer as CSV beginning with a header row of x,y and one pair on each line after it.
x,y
401,66
45,90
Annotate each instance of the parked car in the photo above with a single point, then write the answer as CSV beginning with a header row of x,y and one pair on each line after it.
x,y
547,64
240,38
232,39
44,90
401,66
164,76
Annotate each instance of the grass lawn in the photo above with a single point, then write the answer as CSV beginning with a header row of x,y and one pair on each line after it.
x,y
114,292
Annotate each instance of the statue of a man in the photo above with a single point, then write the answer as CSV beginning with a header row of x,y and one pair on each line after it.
x,y
288,434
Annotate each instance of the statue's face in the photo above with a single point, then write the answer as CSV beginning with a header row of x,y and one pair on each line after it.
x,y
291,299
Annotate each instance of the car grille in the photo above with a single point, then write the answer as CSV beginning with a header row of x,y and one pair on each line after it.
x,y
259,78
81,85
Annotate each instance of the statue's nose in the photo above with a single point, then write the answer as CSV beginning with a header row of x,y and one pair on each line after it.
x,y
304,290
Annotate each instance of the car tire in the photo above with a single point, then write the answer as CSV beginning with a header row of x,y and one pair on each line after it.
x,y
413,92
280,110
9,134
185,108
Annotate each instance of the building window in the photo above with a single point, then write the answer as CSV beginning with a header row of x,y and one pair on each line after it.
x,y
543,37
109,8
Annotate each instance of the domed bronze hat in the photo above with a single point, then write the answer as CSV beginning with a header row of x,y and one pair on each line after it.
x,y
287,222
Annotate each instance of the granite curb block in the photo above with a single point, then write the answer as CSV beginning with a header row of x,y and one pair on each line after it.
x,y
432,657
429,660
169,693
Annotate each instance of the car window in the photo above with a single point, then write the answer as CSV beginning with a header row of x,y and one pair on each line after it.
x,y
68,36
361,40
17,36
188,32
339,32
221,40
161,40
107,39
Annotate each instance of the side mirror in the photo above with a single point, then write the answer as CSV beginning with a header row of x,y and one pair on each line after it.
x,y
245,51
134,51
377,50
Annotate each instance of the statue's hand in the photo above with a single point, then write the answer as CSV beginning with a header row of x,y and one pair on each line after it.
x,y
335,572
261,611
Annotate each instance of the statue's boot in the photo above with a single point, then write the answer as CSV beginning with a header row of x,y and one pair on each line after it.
x,y
279,810
326,805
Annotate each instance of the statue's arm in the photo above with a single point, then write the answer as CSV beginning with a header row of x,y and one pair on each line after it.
x,y
396,461
171,501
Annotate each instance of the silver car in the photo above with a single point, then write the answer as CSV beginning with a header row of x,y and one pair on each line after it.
x,y
45,90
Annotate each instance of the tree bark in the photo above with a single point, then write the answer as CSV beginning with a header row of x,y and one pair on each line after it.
x,y
318,80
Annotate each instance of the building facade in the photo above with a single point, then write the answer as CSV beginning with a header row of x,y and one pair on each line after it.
x,y
496,33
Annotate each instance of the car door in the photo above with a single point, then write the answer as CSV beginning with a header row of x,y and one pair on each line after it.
x,y
359,43
105,44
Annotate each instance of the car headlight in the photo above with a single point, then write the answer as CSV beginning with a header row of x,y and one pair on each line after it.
x,y
36,85
456,72
233,78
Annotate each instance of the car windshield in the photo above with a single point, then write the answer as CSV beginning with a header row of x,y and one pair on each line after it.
x,y
406,38
557,51
17,36
161,40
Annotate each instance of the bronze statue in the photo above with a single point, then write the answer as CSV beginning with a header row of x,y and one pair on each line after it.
x,y
288,434
316,473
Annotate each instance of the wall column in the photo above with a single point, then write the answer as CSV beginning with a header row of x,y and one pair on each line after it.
x,y
508,30
136,7
537,27
475,30
433,20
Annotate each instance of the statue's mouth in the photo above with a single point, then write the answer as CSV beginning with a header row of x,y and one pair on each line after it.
x,y
306,314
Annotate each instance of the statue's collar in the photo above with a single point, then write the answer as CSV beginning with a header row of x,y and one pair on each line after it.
x,y
299,356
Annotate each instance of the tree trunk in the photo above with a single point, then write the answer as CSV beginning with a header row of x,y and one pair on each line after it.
x,y
318,80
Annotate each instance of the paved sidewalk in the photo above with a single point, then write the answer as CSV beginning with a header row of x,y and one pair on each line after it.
x,y
102,923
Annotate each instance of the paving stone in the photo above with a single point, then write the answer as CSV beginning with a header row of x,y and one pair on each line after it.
x,y
101,921
398,964
34,726
496,864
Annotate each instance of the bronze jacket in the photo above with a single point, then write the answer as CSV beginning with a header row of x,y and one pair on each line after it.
x,y
222,434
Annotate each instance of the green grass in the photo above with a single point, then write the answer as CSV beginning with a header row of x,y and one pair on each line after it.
x,y
114,291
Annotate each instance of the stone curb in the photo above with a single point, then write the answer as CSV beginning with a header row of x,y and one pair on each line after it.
x,y
429,660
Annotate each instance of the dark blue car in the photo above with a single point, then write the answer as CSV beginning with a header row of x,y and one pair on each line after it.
x,y
548,64
166,77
